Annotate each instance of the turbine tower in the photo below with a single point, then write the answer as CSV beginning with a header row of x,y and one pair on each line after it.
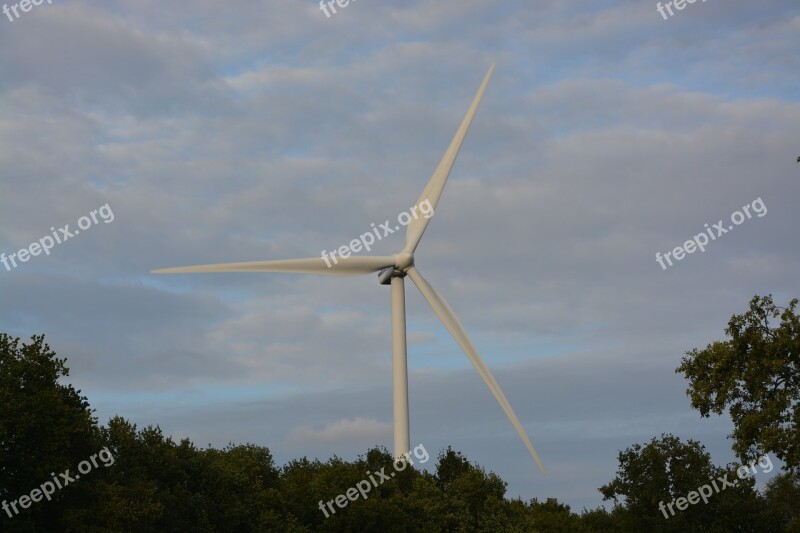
x,y
392,270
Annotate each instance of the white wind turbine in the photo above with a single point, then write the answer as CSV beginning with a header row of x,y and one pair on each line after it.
x,y
392,269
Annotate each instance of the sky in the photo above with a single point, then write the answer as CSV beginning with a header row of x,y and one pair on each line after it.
x,y
206,132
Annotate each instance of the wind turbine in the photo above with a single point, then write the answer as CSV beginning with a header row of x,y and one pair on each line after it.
x,y
392,270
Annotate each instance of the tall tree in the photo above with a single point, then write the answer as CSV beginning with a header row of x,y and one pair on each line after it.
x,y
45,427
755,375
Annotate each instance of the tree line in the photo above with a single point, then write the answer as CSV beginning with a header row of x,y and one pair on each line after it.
x,y
139,480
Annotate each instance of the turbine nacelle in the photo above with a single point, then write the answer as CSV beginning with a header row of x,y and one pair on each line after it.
x,y
402,262
385,276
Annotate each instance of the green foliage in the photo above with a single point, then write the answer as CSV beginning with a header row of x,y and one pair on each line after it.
x,y
45,427
652,476
470,491
157,484
599,521
550,515
755,376
783,495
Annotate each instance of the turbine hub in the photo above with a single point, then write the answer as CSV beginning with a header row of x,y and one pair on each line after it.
x,y
404,261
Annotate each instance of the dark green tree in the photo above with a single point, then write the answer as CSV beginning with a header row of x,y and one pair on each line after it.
x,y
550,515
471,494
45,427
599,520
157,484
783,500
652,476
755,375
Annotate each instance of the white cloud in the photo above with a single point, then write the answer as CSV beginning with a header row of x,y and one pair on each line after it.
x,y
357,430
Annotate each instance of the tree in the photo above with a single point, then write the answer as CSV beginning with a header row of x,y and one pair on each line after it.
x,y
45,427
157,484
783,500
471,494
550,515
651,477
599,520
755,376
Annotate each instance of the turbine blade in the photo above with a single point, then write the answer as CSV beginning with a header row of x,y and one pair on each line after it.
x,y
433,190
351,266
450,321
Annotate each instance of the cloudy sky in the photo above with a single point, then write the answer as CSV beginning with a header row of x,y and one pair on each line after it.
x,y
257,130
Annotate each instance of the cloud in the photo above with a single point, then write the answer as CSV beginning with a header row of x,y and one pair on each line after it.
x,y
356,430
268,131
